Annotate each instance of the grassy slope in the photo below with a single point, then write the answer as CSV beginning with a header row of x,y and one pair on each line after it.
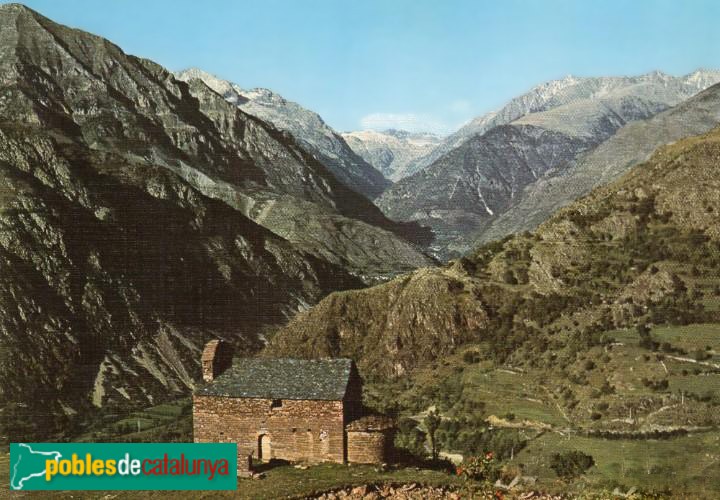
x,y
685,465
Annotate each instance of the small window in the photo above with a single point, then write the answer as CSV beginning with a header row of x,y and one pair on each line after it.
x,y
294,429
276,403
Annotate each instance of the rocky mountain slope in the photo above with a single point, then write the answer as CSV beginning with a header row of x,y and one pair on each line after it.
x,y
392,151
120,103
311,208
641,249
462,192
139,215
114,273
308,129
630,145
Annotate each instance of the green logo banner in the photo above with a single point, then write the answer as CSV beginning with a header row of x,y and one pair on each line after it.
x,y
123,466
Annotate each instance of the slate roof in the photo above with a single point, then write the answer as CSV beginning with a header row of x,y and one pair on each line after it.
x,y
316,379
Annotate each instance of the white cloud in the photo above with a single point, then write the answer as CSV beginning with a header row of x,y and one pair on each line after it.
x,y
460,106
404,121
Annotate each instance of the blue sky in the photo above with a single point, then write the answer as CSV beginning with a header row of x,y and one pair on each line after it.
x,y
415,64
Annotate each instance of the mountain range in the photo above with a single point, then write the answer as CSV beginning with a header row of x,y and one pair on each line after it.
x,y
631,144
552,94
537,135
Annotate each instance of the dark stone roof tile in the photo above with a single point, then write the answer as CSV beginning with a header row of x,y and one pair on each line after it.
x,y
316,379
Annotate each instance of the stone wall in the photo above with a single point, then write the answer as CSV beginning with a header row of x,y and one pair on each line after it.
x,y
296,430
369,446
216,358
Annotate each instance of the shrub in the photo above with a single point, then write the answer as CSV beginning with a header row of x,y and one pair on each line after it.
x,y
509,277
701,355
607,388
479,468
522,276
504,442
470,357
570,464
655,385
410,438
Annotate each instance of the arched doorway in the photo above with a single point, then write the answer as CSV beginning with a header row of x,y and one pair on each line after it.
x,y
264,448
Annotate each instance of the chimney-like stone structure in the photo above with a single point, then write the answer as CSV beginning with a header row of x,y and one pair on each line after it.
x,y
216,358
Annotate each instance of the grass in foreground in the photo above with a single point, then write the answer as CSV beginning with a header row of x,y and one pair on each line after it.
x,y
280,482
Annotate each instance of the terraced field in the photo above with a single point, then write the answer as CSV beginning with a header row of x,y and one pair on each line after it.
x,y
687,337
689,466
507,391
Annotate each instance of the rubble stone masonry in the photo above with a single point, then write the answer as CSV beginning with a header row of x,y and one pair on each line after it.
x,y
294,430
370,440
368,447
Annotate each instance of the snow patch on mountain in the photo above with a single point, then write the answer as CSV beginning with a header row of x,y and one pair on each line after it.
x,y
393,150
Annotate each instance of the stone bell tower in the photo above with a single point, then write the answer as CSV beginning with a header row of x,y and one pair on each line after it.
x,y
216,358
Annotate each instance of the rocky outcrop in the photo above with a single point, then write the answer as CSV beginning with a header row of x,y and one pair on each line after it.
x,y
390,328
410,491
415,491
